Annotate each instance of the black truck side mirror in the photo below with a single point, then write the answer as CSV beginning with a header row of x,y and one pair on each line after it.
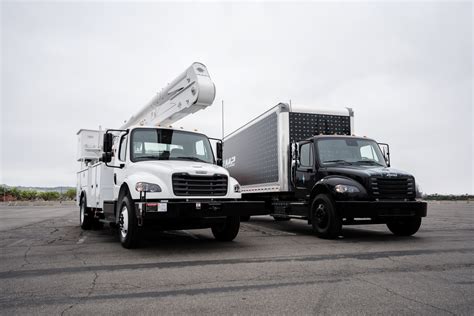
x,y
219,153
386,152
295,160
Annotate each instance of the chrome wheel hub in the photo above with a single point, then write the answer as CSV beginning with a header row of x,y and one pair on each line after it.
x,y
123,222
82,211
321,216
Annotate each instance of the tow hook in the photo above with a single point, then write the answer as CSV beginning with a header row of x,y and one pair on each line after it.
x,y
215,206
140,214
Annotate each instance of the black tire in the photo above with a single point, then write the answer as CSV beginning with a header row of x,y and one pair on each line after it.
x,y
86,218
244,218
128,224
281,218
405,227
228,230
325,220
98,225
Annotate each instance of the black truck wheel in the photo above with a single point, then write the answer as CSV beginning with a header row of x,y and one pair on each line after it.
x,y
325,220
405,227
245,218
85,215
128,224
228,230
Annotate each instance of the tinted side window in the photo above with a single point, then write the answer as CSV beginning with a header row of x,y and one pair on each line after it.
x,y
306,155
367,152
123,148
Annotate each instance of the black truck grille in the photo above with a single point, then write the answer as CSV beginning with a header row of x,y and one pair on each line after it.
x,y
189,185
393,188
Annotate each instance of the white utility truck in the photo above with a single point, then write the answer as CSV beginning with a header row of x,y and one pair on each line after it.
x,y
148,174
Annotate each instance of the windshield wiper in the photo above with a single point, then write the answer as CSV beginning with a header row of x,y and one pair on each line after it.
x,y
338,161
372,162
190,158
149,157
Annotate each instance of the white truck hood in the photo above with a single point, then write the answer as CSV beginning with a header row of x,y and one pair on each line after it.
x,y
173,166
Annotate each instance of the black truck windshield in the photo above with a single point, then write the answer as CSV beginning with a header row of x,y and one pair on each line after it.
x,y
167,144
349,151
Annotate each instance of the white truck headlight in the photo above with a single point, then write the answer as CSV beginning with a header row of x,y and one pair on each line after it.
x,y
342,188
147,187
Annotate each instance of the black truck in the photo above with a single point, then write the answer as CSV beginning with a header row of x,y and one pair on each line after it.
x,y
307,164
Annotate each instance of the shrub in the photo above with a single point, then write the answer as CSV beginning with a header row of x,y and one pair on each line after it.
x,y
14,192
69,194
49,196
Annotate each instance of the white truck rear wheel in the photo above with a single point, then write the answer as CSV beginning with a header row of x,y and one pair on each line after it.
x,y
228,230
85,216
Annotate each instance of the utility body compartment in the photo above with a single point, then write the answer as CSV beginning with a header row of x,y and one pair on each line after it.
x,y
97,183
89,144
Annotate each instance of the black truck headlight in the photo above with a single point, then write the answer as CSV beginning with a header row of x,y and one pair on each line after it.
x,y
147,187
419,191
343,188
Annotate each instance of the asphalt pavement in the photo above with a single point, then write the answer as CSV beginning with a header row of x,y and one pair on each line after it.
x,y
48,265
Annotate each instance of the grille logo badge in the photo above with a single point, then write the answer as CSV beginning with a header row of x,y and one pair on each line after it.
x,y
391,175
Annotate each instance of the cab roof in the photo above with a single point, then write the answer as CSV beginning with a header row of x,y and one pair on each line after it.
x,y
339,136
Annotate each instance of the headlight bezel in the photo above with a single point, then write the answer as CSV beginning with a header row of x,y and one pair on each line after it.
x,y
237,188
346,189
418,191
147,187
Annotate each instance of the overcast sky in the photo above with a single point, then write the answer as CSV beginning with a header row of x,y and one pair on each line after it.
x,y
405,68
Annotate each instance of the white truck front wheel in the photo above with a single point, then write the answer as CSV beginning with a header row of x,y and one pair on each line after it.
x,y
123,221
128,224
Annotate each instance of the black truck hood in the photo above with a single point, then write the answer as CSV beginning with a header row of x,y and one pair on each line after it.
x,y
361,173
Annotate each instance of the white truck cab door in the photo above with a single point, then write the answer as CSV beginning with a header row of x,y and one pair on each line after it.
x,y
121,156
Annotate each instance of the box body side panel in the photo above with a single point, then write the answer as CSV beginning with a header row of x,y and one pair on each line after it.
x,y
252,155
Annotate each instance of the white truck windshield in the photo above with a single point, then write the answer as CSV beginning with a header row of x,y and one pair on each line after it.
x,y
349,151
166,144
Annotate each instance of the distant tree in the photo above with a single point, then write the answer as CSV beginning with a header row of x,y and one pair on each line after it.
x,y
448,197
28,195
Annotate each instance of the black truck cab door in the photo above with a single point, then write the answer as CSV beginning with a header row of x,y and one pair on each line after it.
x,y
305,170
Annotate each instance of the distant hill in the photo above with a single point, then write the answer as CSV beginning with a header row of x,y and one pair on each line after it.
x,y
41,189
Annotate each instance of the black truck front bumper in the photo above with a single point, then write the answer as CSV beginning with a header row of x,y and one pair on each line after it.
x,y
381,209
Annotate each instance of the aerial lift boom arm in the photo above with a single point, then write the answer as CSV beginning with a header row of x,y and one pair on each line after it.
x,y
190,92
